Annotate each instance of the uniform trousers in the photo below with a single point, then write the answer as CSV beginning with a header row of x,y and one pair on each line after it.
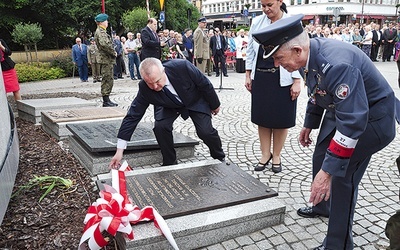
x,y
107,80
204,129
202,66
340,207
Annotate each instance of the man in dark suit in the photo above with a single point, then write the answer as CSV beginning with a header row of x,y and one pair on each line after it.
x,y
79,58
389,36
218,45
318,32
376,42
175,88
151,44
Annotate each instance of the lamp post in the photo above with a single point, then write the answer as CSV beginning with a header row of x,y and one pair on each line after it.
x,y
362,12
232,7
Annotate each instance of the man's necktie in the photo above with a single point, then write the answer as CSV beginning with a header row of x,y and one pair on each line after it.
x,y
184,112
171,96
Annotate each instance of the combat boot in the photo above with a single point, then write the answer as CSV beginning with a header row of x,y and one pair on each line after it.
x,y
107,102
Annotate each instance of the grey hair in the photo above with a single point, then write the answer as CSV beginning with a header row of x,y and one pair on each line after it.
x,y
301,40
146,66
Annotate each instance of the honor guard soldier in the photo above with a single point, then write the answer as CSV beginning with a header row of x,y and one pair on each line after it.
x,y
107,57
360,118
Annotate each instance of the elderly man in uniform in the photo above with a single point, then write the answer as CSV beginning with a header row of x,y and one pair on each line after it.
x,y
201,43
360,118
175,88
107,57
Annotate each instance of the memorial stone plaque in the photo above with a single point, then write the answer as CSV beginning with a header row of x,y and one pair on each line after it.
x,y
70,115
102,136
196,189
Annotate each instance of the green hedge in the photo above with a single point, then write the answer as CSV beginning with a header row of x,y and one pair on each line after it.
x,y
38,72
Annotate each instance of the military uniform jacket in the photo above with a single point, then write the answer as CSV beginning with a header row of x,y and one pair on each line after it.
x,y
201,44
342,80
193,88
93,54
105,46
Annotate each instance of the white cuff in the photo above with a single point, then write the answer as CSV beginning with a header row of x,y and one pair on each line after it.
x,y
122,143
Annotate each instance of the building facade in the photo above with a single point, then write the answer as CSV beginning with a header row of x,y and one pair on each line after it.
x,y
240,12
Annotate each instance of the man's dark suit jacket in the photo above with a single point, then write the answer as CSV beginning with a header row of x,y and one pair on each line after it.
x,y
213,44
375,38
387,36
150,44
318,35
192,87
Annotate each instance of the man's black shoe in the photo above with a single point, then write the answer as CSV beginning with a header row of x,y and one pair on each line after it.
x,y
226,75
308,212
320,248
217,75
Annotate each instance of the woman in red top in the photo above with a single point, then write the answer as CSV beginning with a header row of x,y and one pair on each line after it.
x,y
9,73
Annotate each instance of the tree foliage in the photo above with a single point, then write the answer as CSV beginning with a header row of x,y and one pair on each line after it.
x,y
63,20
27,35
136,19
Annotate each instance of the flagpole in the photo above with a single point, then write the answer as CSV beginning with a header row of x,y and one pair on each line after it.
x,y
103,7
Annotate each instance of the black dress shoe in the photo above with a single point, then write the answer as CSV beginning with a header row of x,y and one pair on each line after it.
x,y
308,212
320,248
276,168
226,75
217,75
261,166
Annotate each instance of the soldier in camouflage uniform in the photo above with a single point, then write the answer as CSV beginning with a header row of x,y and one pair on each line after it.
x,y
93,60
107,57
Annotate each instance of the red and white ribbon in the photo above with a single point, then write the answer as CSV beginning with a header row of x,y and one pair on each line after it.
x,y
114,212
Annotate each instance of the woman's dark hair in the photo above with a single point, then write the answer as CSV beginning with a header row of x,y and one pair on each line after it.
x,y
283,7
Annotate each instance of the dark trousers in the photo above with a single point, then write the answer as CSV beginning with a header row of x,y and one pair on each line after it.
x,y
118,66
374,52
204,129
83,72
344,190
398,69
387,51
220,61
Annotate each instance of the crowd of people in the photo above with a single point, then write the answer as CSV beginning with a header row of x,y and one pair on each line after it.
x,y
377,42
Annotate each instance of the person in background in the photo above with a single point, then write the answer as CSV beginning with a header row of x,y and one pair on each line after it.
x,y
174,87
241,43
94,59
389,36
119,60
397,59
210,66
151,44
180,47
188,41
132,48
79,58
367,40
107,58
201,45
9,73
218,46
125,65
273,105
346,36
357,38
376,42
355,110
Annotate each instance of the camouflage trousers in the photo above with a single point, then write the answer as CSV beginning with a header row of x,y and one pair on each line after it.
x,y
107,81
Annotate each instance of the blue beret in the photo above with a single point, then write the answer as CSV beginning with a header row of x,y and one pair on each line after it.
x,y
101,17
202,20
278,33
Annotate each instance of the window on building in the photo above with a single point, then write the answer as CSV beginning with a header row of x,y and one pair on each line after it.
x,y
298,2
307,2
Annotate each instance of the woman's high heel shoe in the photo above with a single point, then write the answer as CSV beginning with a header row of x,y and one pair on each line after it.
x,y
261,166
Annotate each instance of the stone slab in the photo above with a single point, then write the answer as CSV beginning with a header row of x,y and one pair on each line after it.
x,y
54,122
202,229
102,137
97,162
30,109
185,191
